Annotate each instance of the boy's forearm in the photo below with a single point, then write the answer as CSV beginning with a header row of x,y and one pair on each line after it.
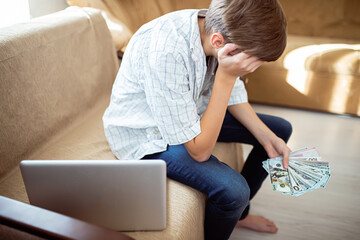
x,y
273,145
245,114
201,147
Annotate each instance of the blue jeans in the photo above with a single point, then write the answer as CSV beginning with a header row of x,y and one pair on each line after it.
x,y
228,191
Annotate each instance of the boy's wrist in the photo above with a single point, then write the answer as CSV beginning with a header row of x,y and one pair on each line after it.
x,y
264,136
225,77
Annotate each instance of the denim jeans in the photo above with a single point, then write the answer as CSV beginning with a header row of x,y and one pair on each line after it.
x,y
228,191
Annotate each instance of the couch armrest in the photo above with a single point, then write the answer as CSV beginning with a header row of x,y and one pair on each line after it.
x,y
53,69
48,224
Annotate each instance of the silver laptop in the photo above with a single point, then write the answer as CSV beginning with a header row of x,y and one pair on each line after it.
x,y
124,195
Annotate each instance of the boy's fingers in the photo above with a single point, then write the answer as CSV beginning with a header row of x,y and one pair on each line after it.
x,y
286,158
239,63
229,47
249,63
246,59
233,50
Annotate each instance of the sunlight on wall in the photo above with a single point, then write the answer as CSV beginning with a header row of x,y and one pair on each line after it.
x,y
300,77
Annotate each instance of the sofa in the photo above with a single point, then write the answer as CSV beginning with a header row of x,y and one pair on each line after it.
x,y
319,69
56,75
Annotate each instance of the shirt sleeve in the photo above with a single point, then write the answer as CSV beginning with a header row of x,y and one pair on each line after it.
x,y
170,98
238,94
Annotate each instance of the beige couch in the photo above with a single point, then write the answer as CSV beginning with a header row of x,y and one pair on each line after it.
x,y
56,74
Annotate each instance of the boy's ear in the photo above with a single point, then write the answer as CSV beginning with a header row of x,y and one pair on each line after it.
x,y
217,40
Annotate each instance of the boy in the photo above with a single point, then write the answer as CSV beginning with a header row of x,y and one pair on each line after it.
x,y
178,92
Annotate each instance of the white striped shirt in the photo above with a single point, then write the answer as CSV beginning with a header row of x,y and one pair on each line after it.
x,y
162,88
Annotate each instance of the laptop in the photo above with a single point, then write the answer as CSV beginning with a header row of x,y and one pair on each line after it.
x,y
127,195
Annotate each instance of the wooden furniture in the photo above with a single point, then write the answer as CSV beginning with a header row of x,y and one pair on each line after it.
x,y
21,220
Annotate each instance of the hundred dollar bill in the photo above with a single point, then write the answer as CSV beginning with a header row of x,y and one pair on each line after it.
x,y
279,176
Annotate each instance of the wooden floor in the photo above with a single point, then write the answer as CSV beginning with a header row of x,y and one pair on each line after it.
x,y
332,213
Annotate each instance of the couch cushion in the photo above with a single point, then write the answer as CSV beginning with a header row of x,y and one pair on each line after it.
x,y
335,56
313,73
85,139
82,139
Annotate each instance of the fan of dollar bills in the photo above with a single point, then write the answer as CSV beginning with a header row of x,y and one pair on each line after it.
x,y
306,172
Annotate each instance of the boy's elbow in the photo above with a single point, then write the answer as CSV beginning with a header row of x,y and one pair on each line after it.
x,y
198,152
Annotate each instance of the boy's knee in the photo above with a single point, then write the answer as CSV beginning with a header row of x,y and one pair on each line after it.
x,y
235,194
286,130
281,127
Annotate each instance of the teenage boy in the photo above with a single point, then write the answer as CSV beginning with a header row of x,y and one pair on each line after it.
x,y
178,92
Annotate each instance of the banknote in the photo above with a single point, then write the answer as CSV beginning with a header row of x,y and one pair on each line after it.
x,y
306,172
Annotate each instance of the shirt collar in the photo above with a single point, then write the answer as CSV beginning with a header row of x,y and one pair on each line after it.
x,y
195,40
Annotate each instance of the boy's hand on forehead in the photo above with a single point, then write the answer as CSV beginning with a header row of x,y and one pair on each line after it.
x,y
234,63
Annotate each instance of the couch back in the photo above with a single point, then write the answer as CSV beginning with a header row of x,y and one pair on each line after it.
x,y
323,18
318,18
138,12
52,69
